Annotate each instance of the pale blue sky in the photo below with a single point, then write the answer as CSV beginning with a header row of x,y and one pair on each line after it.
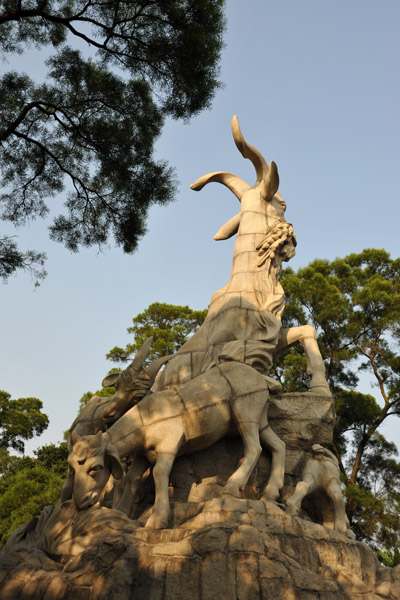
x,y
315,84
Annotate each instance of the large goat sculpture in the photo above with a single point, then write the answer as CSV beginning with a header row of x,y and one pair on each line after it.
x,y
244,318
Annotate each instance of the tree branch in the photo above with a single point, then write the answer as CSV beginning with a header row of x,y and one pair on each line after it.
x,y
11,128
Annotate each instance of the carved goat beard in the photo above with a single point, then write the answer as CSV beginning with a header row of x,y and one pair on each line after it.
x,y
270,294
271,246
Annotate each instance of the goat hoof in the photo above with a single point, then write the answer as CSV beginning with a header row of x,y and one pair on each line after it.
x,y
232,492
271,494
156,522
292,510
124,509
320,390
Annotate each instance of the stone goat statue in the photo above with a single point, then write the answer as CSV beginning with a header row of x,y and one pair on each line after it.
x,y
244,319
194,401
131,385
321,473
229,398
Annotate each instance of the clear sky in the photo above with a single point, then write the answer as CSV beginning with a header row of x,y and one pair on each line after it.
x,y
316,87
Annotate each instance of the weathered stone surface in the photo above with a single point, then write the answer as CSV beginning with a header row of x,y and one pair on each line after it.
x,y
215,584
210,539
246,538
302,419
182,579
247,584
284,558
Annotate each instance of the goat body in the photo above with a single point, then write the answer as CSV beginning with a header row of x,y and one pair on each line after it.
x,y
229,398
244,318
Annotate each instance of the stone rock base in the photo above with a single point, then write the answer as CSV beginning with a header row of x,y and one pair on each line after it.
x,y
223,549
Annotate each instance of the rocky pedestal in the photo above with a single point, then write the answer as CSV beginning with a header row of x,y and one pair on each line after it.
x,y
221,549
216,548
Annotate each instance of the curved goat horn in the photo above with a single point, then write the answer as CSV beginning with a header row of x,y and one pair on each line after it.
x,y
139,359
128,375
155,366
248,151
233,182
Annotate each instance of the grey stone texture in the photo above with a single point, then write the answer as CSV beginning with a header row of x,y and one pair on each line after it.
x,y
300,420
226,548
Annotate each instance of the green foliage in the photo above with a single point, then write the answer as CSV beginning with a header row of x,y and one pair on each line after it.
x,y
28,484
11,259
291,371
20,420
373,502
169,325
25,496
92,125
53,458
354,303
355,413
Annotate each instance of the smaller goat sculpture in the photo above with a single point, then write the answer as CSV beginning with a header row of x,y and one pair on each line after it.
x,y
229,398
131,385
321,473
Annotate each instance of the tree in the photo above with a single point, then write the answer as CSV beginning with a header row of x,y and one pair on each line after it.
x,y
169,325
93,123
28,484
20,420
354,303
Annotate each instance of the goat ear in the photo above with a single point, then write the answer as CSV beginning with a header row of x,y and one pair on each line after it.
x,y
110,379
228,229
75,437
117,469
271,182
98,440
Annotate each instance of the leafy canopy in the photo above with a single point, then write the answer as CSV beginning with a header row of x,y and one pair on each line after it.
x,y
20,420
170,326
28,484
91,126
354,303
